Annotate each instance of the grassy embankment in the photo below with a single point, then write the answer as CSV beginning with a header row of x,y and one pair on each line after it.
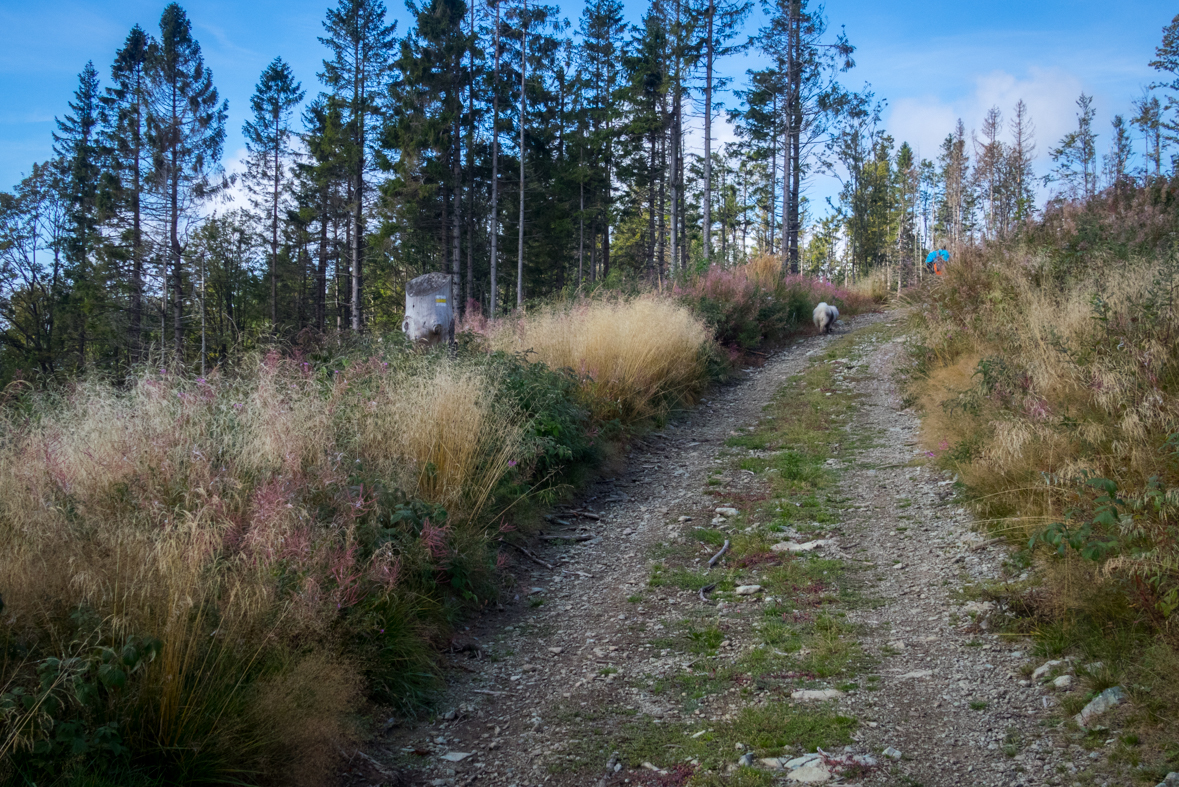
x,y
208,579
1048,374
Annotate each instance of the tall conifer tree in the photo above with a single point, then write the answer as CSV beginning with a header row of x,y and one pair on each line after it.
x,y
126,105
187,130
361,46
268,143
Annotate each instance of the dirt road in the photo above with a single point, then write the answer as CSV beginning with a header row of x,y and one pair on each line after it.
x,y
834,640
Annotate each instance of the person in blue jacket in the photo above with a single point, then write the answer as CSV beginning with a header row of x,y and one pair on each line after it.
x,y
935,263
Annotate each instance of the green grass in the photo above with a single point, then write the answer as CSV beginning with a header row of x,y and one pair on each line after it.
x,y
766,730
709,536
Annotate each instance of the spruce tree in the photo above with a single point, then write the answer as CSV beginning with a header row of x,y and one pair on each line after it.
x,y
320,191
361,46
129,158
602,29
1075,157
721,23
268,144
77,143
187,131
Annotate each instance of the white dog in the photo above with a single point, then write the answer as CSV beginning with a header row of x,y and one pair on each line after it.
x,y
825,317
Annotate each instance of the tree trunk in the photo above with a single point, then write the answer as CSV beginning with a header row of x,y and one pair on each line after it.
x,y
471,168
321,269
523,108
456,264
708,50
135,329
792,227
494,293
274,233
581,217
358,205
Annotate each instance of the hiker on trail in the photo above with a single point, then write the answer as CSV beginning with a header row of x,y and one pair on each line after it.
x,y
935,263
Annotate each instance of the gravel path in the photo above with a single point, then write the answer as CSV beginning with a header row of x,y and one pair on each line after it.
x,y
946,705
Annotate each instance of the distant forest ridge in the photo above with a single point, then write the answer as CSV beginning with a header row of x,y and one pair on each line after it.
x,y
493,143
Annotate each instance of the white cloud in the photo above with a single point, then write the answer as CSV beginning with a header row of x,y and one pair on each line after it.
x,y
1050,94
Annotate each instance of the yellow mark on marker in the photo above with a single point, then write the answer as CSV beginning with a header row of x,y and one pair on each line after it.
x,y
440,299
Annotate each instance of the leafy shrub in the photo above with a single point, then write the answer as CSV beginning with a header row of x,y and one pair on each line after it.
x,y
757,304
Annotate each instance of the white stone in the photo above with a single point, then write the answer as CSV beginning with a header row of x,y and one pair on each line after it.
x,y
1063,683
456,756
794,546
1045,668
918,673
748,590
798,762
726,511
816,694
980,608
892,753
815,773
773,763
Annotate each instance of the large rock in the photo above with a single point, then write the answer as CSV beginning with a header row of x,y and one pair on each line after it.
x,y
1100,704
798,762
1172,780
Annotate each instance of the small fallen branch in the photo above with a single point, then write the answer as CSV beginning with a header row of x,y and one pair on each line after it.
x,y
533,557
489,691
586,514
988,543
719,555
573,537
706,589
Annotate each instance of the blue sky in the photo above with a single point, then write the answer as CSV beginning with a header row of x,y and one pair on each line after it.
x,y
933,61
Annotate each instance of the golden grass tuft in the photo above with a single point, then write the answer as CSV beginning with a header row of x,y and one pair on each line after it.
x,y
448,434
637,357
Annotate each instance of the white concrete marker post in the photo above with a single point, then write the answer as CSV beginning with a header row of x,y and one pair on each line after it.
x,y
429,314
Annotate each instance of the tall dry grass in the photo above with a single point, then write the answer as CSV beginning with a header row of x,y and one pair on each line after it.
x,y
245,524
636,356
1032,384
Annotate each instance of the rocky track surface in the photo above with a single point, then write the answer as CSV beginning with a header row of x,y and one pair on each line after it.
x,y
596,658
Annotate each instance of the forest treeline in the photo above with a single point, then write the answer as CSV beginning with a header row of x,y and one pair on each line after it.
x,y
493,141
